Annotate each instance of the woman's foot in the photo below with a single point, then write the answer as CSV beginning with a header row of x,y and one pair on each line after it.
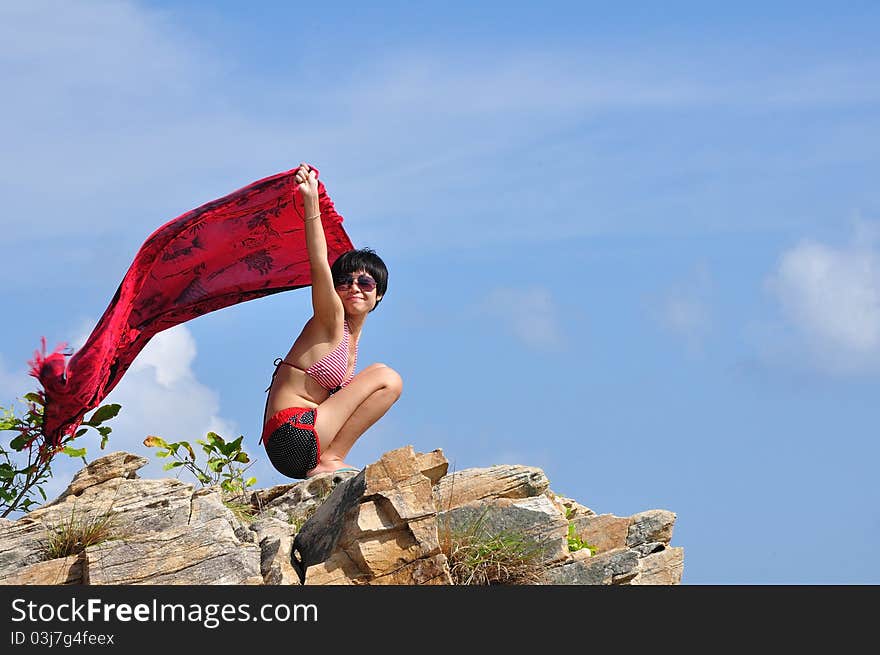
x,y
331,466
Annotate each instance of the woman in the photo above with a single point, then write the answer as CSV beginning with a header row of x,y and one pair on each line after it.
x,y
317,406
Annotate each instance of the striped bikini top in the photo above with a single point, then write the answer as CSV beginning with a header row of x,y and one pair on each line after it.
x,y
330,370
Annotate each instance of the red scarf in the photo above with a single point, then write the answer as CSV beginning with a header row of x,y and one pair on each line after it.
x,y
243,246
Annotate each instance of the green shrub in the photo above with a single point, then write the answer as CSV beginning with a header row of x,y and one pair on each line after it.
x,y
223,466
20,481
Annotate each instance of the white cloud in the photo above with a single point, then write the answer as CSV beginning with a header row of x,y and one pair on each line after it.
x,y
170,355
684,309
830,297
530,314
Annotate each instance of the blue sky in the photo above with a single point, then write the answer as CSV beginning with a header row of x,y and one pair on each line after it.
x,y
638,247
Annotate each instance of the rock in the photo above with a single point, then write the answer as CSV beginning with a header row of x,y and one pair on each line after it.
x,y
275,539
130,506
316,540
502,481
661,568
298,501
183,555
202,550
21,545
604,532
652,525
614,567
433,465
114,465
62,571
136,506
382,527
570,508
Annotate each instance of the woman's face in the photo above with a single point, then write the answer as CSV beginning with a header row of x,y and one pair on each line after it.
x,y
357,291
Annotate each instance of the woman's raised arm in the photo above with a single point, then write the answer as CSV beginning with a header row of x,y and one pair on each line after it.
x,y
326,304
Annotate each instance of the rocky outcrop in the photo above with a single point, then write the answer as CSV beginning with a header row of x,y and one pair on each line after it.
x,y
159,532
391,523
381,528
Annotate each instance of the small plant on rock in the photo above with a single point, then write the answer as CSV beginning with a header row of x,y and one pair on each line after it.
x,y
575,543
77,533
477,556
223,466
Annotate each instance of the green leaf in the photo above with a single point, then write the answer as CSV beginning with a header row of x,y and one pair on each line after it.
x,y
42,493
250,481
215,464
153,441
103,441
192,454
19,442
80,433
34,398
232,446
163,453
6,472
105,430
171,465
215,438
104,413
74,452
242,457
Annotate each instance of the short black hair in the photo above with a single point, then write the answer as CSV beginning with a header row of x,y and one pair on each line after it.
x,y
362,259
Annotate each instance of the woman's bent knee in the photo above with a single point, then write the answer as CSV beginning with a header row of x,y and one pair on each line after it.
x,y
392,381
384,378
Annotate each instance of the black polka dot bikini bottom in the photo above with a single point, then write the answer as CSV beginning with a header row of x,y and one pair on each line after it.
x,y
291,442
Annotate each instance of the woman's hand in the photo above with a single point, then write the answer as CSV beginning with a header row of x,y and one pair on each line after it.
x,y
307,183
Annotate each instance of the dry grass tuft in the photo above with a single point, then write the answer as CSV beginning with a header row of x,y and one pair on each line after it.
x,y
477,557
77,533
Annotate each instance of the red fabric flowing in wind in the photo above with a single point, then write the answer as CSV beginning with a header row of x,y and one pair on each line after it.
x,y
246,245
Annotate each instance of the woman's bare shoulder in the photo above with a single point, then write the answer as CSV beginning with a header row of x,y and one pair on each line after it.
x,y
315,331
314,335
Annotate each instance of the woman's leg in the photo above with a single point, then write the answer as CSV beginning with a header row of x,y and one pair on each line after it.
x,y
348,413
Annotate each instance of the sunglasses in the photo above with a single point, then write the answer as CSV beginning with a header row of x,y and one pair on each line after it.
x,y
364,282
